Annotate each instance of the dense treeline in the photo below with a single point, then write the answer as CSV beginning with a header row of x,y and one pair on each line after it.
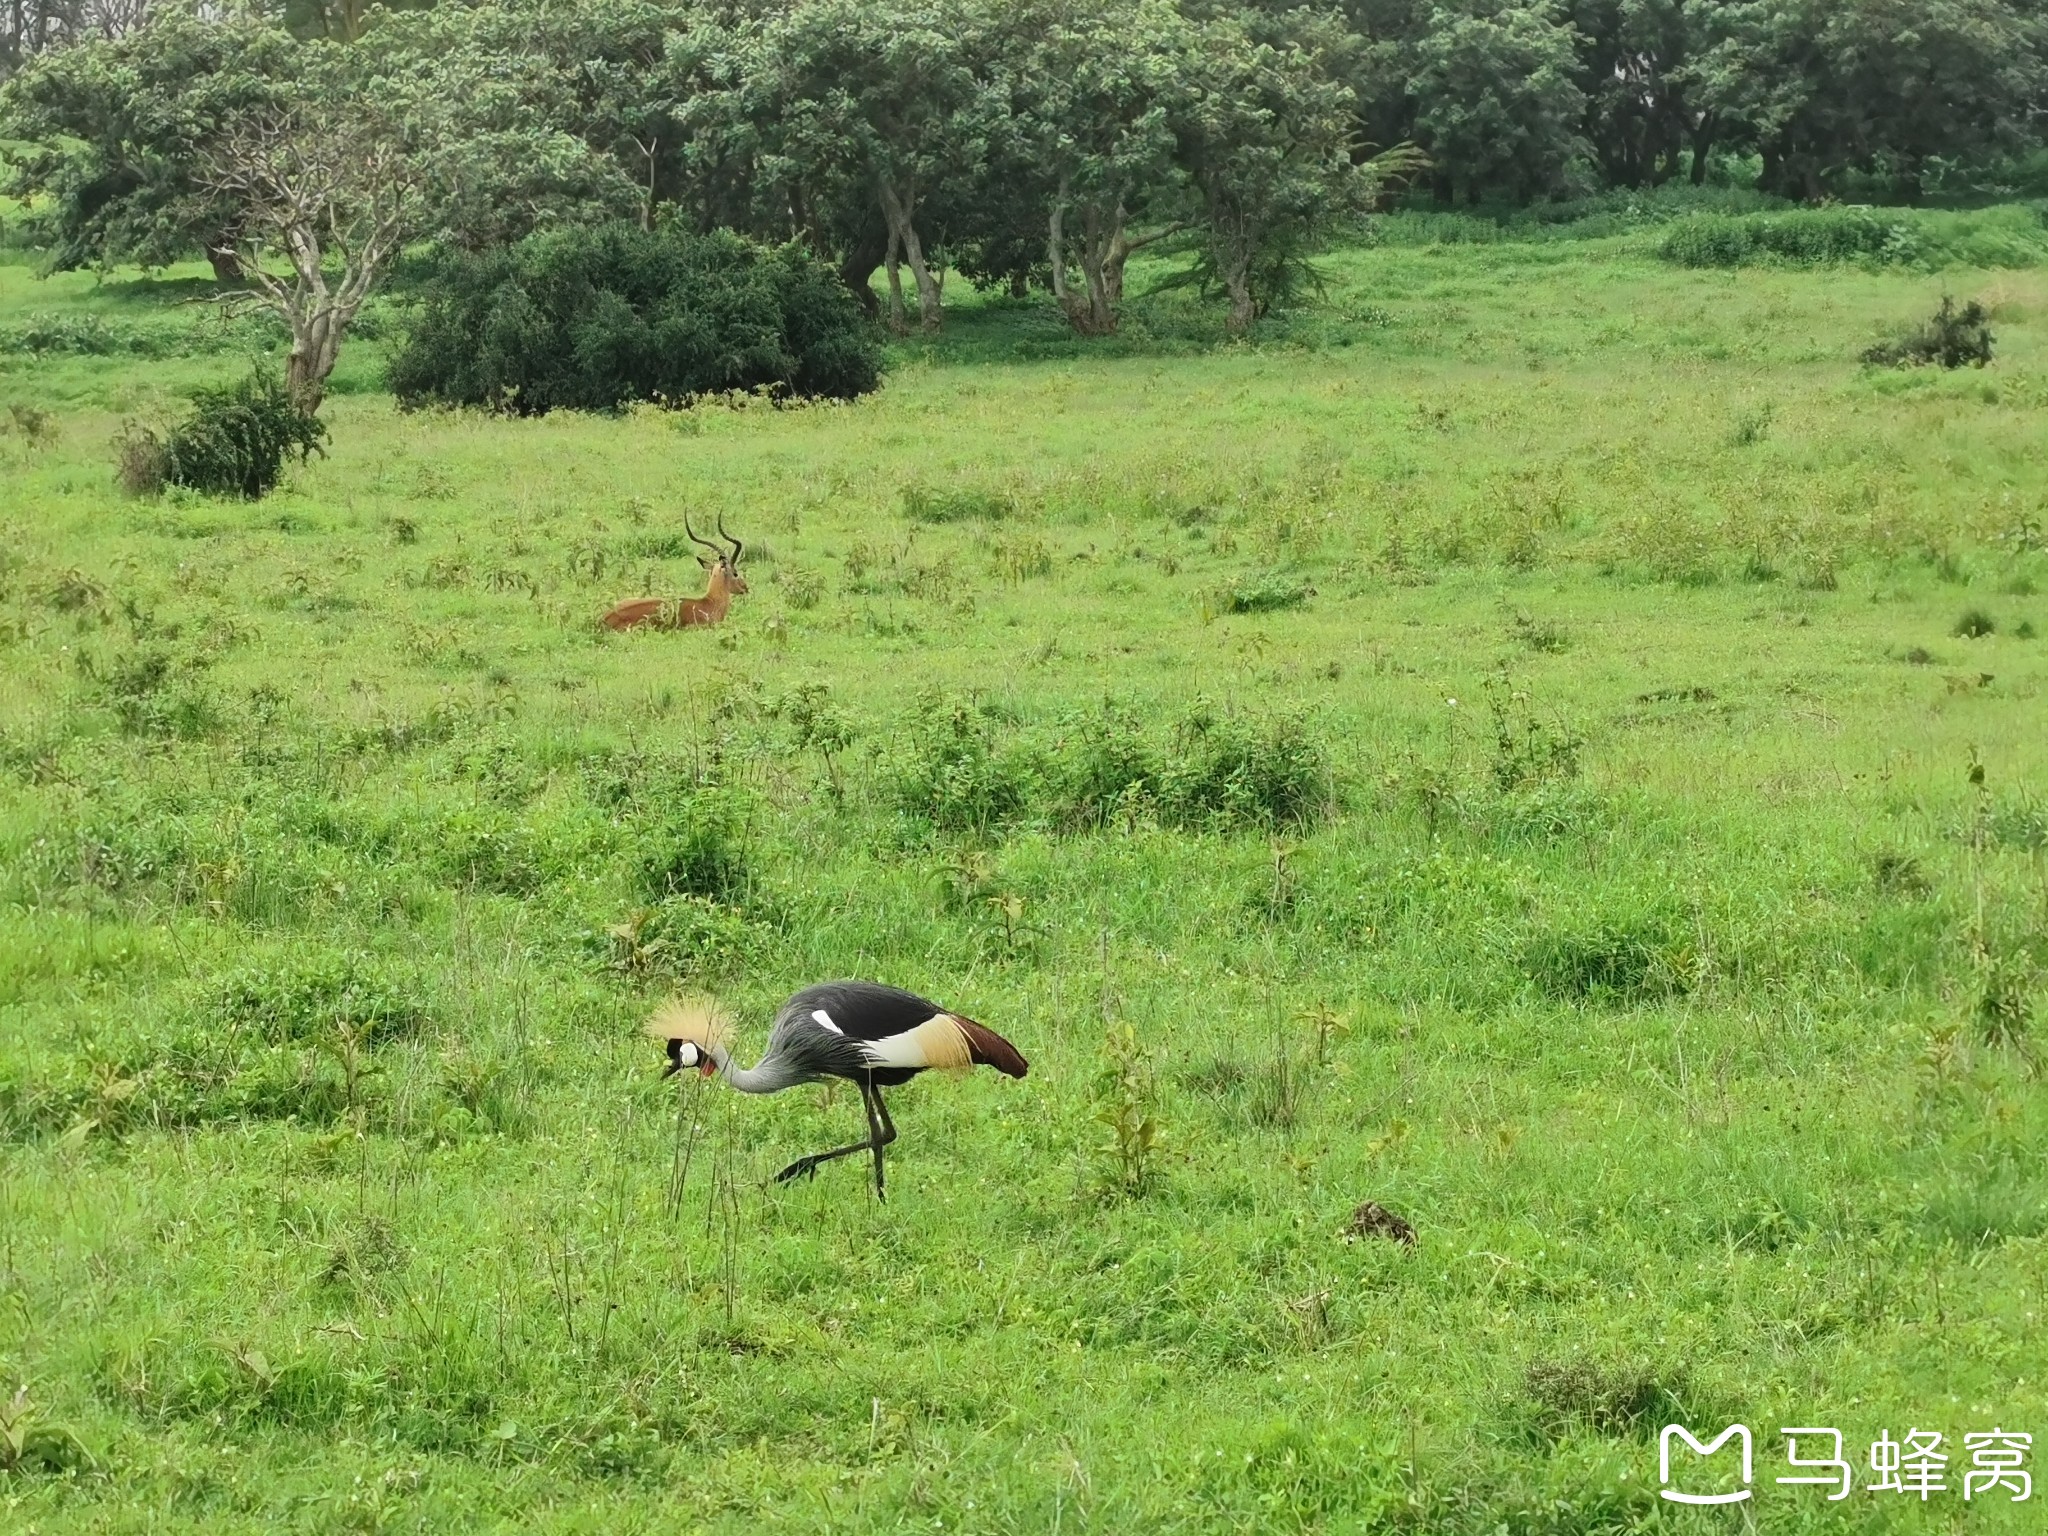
x,y
1022,143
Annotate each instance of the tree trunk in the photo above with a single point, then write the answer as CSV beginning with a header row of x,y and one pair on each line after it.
x,y
1101,255
857,269
1702,146
227,266
928,314
316,347
897,209
1242,310
897,322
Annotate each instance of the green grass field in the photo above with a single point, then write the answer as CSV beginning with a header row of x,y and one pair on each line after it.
x,y
1573,849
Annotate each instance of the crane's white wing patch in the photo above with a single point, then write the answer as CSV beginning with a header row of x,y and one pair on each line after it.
x,y
825,1019
937,1042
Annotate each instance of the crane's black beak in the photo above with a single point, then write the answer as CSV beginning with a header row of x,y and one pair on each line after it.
x,y
672,1069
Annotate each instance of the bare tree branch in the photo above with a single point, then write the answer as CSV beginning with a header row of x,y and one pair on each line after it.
x,y
331,192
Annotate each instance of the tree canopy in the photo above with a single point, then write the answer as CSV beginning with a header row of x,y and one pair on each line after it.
x,y
1019,142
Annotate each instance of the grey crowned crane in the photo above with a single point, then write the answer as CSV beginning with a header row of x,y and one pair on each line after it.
x,y
874,1036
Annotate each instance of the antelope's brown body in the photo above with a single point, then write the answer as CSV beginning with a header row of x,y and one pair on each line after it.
x,y
724,583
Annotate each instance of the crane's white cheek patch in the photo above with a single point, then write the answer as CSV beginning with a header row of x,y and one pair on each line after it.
x,y
825,1019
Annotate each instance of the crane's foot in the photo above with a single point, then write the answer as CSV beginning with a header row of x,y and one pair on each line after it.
x,y
803,1167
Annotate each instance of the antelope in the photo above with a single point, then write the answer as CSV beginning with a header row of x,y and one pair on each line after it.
x,y
724,585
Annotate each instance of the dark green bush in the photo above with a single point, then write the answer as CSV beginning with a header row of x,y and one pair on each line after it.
x,y
591,319
1953,338
1235,771
695,853
957,775
1266,592
233,443
1975,624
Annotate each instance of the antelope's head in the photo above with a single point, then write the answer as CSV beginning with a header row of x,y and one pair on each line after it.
x,y
724,565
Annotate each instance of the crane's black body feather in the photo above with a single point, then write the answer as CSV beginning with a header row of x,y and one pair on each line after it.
x,y
863,1010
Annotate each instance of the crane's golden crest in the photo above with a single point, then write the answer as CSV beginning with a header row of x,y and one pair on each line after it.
x,y
698,1020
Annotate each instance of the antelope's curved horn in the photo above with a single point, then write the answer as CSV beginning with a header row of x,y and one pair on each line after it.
x,y
736,545
695,540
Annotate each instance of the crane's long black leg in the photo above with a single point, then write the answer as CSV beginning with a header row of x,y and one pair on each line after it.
x,y
884,1130
805,1166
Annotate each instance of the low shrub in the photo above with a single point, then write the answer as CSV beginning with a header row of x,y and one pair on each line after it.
x,y
1802,237
958,776
1975,624
305,998
1609,1398
1952,338
694,852
1266,592
591,319
956,504
685,937
1231,771
234,442
1103,769
89,335
1210,772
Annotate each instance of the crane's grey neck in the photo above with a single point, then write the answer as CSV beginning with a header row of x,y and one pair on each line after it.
x,y
771,1075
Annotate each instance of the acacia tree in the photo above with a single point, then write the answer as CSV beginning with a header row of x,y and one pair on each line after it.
x,y
115,130
1091,95
330,190
1265,134
508,112
889,99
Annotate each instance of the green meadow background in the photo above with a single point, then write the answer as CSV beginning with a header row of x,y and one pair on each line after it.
x,y
1542,740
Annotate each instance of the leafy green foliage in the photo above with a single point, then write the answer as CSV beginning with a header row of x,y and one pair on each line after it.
x,y
114,133
308,997
955,504
594,319
696,851
960,774
234,441
1626,959
1225,772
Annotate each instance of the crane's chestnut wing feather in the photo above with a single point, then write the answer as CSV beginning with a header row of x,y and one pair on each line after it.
x,y
990,1049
